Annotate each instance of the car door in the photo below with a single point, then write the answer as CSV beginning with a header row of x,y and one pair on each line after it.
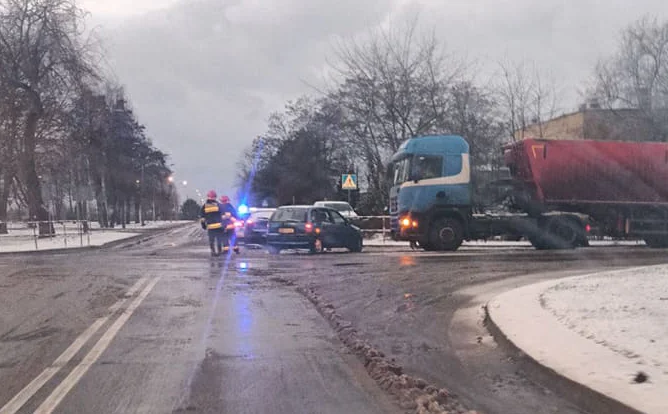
x,y
340,229
325,226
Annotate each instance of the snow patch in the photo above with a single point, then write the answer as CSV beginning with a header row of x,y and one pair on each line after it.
x,y
625,312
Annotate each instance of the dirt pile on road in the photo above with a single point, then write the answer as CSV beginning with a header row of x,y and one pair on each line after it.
x,y
413,394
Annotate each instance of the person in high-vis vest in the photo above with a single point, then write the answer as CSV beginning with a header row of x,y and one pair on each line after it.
x,y
212,221
229,216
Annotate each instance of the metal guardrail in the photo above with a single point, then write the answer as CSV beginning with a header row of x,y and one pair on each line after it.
x,y
384,228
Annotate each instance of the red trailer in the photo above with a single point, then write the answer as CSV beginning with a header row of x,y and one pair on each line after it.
x,y
556,192
623,186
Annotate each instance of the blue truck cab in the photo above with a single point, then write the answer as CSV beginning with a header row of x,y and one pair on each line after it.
x,y
430,194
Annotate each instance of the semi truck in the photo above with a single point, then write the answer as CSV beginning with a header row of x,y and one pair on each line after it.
x,y
553,193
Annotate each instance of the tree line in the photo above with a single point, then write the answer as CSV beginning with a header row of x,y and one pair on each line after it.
x,y
398,84
70,144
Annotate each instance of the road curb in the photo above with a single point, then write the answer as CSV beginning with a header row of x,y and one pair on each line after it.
x,y
129,241
585,397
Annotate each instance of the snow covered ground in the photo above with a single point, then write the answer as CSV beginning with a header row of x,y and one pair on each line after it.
x,y
376,240
97,238
624,312
22,239
607,331
147,224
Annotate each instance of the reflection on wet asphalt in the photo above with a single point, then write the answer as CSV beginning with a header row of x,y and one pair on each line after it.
x,y
211,338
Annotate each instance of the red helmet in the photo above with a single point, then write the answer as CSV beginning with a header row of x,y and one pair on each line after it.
x,y
224,199
211,195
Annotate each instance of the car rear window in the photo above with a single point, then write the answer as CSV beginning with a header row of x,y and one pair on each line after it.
x,y
290,214
339,206
261,215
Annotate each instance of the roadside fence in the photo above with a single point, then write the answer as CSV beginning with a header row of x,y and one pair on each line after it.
x,y
22,235
373,226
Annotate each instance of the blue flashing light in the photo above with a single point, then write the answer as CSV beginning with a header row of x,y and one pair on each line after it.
x,y
243,209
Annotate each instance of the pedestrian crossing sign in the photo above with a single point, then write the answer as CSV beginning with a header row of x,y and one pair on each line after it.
x,y
349,182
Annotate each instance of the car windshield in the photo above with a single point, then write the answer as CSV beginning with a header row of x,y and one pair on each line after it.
x,y
289,214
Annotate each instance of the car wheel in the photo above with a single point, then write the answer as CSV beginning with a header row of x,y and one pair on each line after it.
x,y
316,247
357,246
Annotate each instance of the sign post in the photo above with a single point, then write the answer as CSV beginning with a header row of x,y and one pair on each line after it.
x,y
349,182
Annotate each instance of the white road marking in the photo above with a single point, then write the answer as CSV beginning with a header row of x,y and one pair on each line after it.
x,y
31,389
58,394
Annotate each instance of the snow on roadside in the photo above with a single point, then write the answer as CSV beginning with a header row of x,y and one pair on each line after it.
x,y
376,240
623,311
97,238
147,225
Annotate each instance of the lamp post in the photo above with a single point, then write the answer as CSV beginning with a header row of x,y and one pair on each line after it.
x,y
170,180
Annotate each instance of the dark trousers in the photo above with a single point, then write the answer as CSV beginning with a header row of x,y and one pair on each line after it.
x,y
217,238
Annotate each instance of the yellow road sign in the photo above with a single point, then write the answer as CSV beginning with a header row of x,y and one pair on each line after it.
x,y
349,182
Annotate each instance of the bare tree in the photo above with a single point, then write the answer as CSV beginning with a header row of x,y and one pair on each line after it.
x,y
474,114
42,56
526,96
392,87
636,76
8,132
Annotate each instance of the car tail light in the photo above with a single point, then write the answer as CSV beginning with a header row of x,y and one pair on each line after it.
x,y
588,228
249,221
308,227
239,223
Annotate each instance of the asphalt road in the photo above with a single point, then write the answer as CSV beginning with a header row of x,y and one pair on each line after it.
x,y
163,328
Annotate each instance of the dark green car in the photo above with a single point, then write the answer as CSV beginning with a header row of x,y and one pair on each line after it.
x,y
312,228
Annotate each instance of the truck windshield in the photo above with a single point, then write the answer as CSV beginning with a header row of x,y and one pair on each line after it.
x,y
401,171
428,166
425,166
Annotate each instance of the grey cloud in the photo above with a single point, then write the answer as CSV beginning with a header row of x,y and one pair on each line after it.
x,y
204,74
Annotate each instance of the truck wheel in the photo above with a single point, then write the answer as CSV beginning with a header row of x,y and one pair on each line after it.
x,y
557,232
446,235
562,232
428,247
539,242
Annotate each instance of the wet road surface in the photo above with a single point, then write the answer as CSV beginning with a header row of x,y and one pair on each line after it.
x,y
205,335
194,335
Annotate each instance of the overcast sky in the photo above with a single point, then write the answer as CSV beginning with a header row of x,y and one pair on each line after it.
x,y
203,75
